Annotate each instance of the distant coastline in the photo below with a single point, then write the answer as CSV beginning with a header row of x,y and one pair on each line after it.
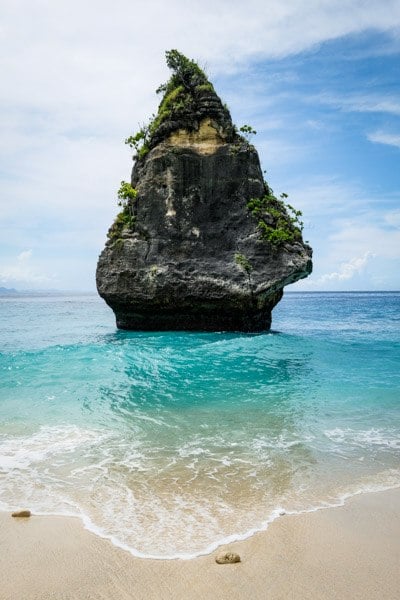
x,y
26,292
53,292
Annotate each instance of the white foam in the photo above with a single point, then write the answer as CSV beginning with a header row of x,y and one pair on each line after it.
x,y
283,441
364,438
190,450
21,452
278,512
93,485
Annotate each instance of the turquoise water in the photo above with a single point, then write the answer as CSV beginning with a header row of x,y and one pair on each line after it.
x,y
171,443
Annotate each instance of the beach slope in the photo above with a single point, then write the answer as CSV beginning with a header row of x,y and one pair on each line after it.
x,y
346,552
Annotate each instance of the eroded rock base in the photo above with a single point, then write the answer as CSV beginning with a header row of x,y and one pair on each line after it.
x,y
204,321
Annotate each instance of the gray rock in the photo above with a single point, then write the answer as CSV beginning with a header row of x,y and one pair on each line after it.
x,y
195,258
227,558
21,513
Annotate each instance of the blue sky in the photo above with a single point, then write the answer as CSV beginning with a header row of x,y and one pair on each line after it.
x,y
319,83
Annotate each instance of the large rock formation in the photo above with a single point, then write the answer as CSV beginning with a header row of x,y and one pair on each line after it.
x,y
201,242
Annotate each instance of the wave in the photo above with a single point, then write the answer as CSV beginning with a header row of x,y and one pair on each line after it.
x,y
186,503
278,512
387,437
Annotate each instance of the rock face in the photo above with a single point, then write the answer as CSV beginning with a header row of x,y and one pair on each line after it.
x,y
189,250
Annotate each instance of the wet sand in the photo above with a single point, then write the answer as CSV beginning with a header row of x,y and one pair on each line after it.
x,y
344,553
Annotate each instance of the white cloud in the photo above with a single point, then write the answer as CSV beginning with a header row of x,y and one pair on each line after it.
x,y
346,270
365,103
393,218
354,237
78,77
90,63
322,197
373,104
347,228
24,256
21,271
380,137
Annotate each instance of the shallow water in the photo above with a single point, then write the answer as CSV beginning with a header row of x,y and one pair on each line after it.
x,y
170,443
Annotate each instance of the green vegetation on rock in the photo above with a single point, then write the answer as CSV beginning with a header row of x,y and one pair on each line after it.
x,y
181,92
247,132
126,194
243,263
125,220
185,73
278,222
139,141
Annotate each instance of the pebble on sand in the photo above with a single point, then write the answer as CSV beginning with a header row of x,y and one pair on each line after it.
x,y
21,513
227,558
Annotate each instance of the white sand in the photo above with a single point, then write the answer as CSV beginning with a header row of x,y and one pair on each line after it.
x,y
344,553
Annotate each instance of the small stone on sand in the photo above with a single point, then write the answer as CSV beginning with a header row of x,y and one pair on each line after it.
x,y
282,512
227,558
21,513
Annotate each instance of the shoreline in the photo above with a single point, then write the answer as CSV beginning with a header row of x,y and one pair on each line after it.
x,y
347,551
277,513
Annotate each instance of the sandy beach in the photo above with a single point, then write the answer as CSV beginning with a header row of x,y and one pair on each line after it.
x,y
346,552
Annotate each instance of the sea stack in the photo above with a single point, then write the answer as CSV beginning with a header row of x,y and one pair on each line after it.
x,y
201,242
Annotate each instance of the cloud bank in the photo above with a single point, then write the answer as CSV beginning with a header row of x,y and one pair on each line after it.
x,y
346,270
21,270
78,77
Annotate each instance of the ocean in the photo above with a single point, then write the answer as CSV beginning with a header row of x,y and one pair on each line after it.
x,y
171,443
